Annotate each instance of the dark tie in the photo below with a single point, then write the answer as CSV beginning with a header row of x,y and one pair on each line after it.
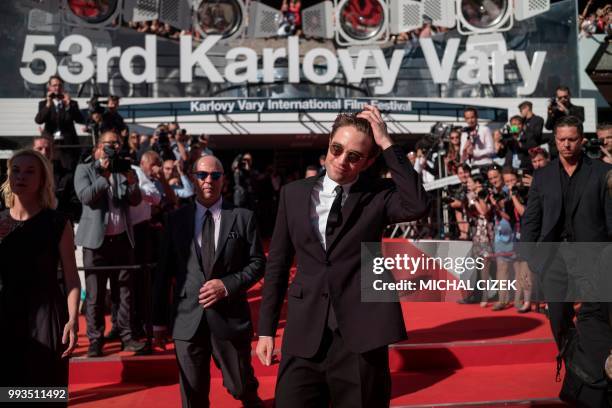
x,y
334,219
208,243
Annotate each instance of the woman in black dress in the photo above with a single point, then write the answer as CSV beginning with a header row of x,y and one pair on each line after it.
x,y
38,302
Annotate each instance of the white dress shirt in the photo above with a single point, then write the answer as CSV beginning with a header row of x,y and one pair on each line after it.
x,y
117,224
322,198
484,146
150,196
215,210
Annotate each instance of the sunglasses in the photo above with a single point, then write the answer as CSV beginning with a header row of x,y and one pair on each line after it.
x,y
203,175
337,150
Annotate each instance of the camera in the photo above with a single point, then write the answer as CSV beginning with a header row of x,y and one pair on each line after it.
x,y
162,146
117,164
56,96
592,148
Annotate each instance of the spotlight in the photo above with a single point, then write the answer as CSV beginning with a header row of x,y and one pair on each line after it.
x,y
92,13
226,18
264,21
361,22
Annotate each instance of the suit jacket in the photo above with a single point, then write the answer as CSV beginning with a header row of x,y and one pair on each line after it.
x,y
591,209
333,275
92,190
239,263
62,120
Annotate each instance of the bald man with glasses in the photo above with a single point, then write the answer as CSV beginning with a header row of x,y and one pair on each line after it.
x,y
213,251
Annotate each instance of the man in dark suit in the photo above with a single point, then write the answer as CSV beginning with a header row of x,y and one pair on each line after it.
x,y
532,125
560,107
213,251
335,346
58,114
569,201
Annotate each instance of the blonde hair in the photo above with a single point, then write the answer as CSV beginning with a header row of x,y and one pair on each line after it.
x,y
46,193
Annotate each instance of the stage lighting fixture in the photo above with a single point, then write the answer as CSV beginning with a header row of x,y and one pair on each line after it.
x,y
361,22
220,17
405,15
318,20
524,9
440,12
176,13
92,13
484,16
264,20
49,6
141,10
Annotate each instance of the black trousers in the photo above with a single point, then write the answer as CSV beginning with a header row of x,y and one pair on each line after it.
x,y
233,357
114,251
555,284
335,375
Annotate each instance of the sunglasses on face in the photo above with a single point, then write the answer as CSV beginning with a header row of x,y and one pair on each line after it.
x,y
203,175
337,150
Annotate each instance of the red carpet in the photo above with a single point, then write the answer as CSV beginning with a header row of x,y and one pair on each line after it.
x,y
456,355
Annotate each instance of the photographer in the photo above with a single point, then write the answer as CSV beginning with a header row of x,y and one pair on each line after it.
x,y
514,144
456,199
532,125
152,166
179,142
58,113
243,188
604,133
161,144
560,107
112,120
477,145
107,187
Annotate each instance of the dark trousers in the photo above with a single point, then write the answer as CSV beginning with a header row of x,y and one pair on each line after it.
x,y
233,357
335,375
555,286
115,250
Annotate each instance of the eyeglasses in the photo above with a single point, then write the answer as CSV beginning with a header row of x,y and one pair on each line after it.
x,y
337,150
203,175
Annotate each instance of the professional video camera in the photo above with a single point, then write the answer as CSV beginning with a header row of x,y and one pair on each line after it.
x,y
57,96
95,104
510,132
592,148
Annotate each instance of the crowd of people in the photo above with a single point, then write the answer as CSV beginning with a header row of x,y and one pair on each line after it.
x,y
598,21
132,194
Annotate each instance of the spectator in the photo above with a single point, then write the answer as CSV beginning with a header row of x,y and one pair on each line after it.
x,y
532,125
205,150
152,166
179,143
38,317
58,113
112,120
604,133
514,145
478,212
130,150
453,157
243,189
106,235
560,107
311,171
67,201
178,180
477,146
321,164
458,197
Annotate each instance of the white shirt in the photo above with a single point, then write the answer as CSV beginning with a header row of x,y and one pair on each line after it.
x,y
150,196
322,198
484,146
215,209
116,219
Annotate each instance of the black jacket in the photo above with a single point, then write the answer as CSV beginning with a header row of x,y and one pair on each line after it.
x,y
334,275
239,263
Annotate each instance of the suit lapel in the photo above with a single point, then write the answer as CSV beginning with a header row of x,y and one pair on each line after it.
x,y
353,198
227,221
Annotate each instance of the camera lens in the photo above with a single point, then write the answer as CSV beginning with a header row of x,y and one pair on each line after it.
x,y
483,13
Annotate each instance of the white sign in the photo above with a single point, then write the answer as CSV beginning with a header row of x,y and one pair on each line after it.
x,y
242,63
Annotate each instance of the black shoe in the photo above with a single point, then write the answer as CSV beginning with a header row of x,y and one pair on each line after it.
x,y
252,402
95,349
468,300
132,345
112,335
